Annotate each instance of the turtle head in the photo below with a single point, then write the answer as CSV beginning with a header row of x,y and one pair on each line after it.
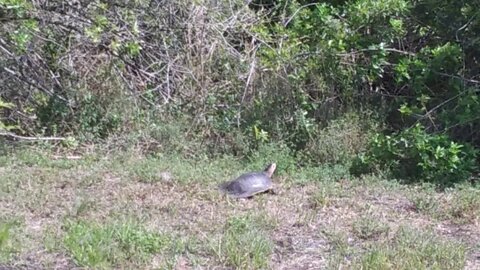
x,y
270,169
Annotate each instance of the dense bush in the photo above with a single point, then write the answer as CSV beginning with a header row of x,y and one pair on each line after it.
x,y
240,76
416,155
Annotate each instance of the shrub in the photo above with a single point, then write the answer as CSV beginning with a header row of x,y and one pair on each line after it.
x,y
415,155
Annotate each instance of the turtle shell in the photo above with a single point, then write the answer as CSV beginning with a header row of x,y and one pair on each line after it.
x,y
249,184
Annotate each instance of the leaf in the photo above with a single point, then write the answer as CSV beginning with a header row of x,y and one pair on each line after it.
x,y
404,109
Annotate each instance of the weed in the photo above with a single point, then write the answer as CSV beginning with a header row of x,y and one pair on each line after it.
x,y
81,205
181,170
338,240
146,170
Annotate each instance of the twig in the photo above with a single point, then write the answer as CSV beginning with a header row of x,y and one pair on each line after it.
x,y
456,77
465,25
15,136
298,10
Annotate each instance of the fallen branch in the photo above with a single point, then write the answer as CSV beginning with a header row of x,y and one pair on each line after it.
x,y
15,136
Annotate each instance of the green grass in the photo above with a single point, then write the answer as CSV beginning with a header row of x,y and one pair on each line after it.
x,y
245,243
112,245
411,249
10,244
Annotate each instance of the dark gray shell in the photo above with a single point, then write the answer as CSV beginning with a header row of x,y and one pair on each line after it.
x,y
247,185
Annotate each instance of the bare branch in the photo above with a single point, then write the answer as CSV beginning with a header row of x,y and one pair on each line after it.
x,y
13,135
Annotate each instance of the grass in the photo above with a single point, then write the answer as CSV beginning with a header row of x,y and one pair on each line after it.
x,y
460,205
325,194
464,206
410,249
118,210
424,199
153,169
7,248
112,245
244,244
369,227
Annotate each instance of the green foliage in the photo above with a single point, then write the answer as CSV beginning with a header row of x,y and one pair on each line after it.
x,y
4,237
22,35
95,119
416,155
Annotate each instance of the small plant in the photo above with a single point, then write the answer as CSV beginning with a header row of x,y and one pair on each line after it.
x,y
340,248
369,227
146,170
4,241
245,244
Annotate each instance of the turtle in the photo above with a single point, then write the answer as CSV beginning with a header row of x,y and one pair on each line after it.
x,y
249,184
